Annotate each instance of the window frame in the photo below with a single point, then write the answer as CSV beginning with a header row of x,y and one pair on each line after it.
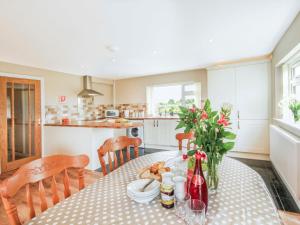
x,y
294,80
184,94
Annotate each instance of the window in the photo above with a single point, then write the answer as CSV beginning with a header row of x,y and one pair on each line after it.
x,y
166,99
290,84
295,80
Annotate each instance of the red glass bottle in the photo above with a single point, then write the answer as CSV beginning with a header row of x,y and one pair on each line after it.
x,y
197,187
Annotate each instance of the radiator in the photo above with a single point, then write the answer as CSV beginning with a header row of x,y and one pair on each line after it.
x,y
285,156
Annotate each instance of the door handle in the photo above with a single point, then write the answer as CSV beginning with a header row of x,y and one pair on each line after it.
x,y
156,123
153,123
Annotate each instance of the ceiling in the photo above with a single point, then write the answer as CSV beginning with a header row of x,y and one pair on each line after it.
x,y
125,38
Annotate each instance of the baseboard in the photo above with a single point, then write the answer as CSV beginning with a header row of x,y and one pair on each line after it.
x,y
247,155
287,185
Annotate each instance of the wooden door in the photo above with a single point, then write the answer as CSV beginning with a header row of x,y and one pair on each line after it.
x,y
20,126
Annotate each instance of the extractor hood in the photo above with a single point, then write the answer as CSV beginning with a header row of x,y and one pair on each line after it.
x,y
87,88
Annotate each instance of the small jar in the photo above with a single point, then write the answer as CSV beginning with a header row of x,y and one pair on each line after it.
x,y
167,191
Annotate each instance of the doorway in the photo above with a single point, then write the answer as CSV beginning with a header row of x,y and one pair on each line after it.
x,y
20,121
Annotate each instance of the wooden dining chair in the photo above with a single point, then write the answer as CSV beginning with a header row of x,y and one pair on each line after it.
x,y
289,218
35,172
184,136
113,145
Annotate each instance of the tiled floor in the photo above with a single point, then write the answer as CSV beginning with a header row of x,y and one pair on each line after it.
x,y
281,196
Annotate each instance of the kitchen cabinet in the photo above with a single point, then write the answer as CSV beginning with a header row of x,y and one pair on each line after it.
x,y
246,88
253,136
252,92
160,133
221,87
150,132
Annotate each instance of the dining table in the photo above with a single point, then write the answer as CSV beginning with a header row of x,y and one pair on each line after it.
x,y
242,198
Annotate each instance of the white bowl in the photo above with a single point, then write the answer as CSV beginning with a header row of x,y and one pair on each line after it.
x,y
135,186
142,199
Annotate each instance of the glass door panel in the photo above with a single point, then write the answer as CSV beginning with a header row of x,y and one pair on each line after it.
x,y
21,121
22,128
9,89
32,119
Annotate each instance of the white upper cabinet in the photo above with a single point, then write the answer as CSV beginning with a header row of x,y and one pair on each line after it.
x,y
221,87
252,88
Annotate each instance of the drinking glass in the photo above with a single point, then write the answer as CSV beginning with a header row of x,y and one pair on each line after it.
x,y
195,212
180,203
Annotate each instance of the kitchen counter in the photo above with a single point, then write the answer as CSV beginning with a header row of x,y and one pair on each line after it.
x,y
154,118
97,124
82,137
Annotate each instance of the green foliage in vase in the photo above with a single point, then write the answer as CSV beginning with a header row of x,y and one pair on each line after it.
x,y
192,162
211,130
294,106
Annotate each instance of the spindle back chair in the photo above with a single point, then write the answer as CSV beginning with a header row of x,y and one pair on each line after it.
x,y
113,145
35,172
185,136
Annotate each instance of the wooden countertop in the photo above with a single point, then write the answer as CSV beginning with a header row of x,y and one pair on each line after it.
x,y
153,118
96,124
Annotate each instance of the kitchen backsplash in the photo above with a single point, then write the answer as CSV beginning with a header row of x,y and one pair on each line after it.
x,y
87,110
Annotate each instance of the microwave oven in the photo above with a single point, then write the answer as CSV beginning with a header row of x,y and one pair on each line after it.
x,y
112,113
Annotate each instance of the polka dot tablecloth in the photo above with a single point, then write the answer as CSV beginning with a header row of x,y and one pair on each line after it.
x,y
242,199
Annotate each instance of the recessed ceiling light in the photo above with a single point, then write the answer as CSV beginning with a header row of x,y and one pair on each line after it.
x,y
154,52
211,40
113,60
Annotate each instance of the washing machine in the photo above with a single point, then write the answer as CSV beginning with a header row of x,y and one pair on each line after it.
x,y
137,131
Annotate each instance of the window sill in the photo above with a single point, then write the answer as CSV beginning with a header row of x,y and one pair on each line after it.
x,y
289,126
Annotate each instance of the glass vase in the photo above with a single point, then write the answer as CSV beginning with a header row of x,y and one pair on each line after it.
x,y
212,175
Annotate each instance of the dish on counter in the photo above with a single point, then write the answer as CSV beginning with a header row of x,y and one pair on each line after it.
x,y
119,120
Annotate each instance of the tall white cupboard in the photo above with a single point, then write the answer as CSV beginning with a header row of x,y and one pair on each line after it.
x,y
247,88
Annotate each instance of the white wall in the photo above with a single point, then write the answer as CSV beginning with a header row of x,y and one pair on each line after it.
x,y
288,42
61,84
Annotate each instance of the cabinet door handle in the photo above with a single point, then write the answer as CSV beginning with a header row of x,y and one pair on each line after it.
x,y
238,114
156,123
153,123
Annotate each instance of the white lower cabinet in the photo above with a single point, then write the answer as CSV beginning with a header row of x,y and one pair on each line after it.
x,y
160,132
252,136
150,130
